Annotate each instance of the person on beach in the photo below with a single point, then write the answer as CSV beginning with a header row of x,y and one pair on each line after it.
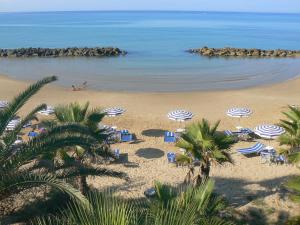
x,y
79,87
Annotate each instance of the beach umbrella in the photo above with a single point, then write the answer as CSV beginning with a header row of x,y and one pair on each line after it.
x,y
3,104
48,111
269,131
180,115
114,111
239,112
13,124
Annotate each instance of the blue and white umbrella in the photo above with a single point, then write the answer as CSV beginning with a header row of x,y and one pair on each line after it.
x,y
114,111
48,111
180,115
239,112
269,131
3,104
13,124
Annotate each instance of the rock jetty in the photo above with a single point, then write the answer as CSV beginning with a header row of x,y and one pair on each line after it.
x,y
243,52
61,52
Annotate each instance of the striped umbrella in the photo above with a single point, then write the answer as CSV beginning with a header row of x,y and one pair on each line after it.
x,y
180,115
3,104
269,131
239,112
13,124
114,111
48,111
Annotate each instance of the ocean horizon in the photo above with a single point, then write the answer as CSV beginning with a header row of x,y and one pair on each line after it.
x,y
156,42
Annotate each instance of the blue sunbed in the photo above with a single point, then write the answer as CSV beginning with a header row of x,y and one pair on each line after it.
x,y
126,136
117,153
32,134
171,156
169,137
257,148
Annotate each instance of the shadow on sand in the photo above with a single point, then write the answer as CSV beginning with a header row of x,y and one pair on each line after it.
x,y
239,193
150,153
154,133
123,159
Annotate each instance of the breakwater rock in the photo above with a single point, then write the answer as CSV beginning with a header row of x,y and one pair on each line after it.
x,y
244,52
61,52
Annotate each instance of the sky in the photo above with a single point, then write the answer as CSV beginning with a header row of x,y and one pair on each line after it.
x,y
284,6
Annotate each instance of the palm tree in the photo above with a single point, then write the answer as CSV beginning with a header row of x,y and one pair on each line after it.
x,y
293,185
17,172
292,138
78,160
184,206
292,126
204,143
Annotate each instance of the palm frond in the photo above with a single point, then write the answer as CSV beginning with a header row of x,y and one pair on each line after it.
x,y
15,105
293,185
94,117
105,210
172,214
38,146
50,220
202,141
294,157
214,221
11,183
90,171
164,193
173,206
183,159
10,137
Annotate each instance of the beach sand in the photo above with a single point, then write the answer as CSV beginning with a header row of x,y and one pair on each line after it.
x,y
243,183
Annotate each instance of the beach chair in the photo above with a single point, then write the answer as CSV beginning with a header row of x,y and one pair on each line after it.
x,y
149,193
229,133
255,149
246,131
126,136
32,134
28,124
280,159
169,137
171,156
267,155
117,153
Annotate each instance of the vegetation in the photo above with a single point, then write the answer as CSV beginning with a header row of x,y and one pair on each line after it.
x,y
292,126
14,177
174,206
291,138
24,166
203,143
78,161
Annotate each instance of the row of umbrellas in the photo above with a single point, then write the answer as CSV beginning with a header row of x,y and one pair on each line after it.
x,y
177,115
268,131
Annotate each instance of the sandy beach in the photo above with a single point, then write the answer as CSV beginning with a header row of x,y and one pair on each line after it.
x,y
244,181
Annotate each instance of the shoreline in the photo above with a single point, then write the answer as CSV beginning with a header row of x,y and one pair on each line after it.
x,y
296,78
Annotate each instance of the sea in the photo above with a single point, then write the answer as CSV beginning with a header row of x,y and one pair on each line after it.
x,y
156,42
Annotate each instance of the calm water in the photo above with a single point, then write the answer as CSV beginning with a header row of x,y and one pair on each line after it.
x,y
156,42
